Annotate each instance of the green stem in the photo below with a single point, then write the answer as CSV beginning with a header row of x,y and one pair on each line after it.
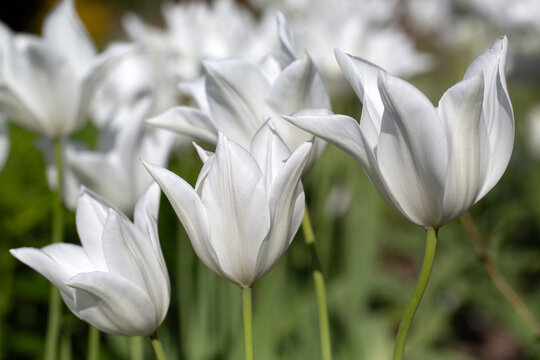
x,y
318,278
93,343
136,348
487,258
55,304
156,344
429,256
248,321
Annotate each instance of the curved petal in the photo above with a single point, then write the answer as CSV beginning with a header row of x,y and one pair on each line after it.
x,y
90,218
286,190
64,31
236,91
17,111
130,253
412,152
285,55
47,84
57,263
363,77
89,167
498,112
269,151
299,86
236,202
339,130
113,304
187,121
460,109
191,212
196,89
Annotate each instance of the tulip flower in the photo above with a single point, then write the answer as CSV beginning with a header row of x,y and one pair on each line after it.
x,y
46,83
246,206
429,164
244,210
113,170
239,97
117,280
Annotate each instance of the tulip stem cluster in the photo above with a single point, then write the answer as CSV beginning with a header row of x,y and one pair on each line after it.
x,y
496,276
248,321
425,272
158,349
55,304
318,278
93,343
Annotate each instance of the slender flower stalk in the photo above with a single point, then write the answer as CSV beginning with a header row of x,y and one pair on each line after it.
x,y
93,343
248,321
320,291
55,304
136,349
425,272
486,257
156,345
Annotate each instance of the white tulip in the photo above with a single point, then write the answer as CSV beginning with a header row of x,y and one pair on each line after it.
x,y
430,164
246,206
46,83
113,170
117,280
239,97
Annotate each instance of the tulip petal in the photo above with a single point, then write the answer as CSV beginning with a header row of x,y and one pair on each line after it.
x,y
269,151
235,199
339,130
412,151
191,212
285,56
236,102
363,77
196,89
187,121
460,109
130,253
113,304
89,167
299,86
16,110
46,81
57,263
498,112
64,31
284,196
90,218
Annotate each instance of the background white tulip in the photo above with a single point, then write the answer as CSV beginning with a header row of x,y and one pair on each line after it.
x,y
117,280
46,83
430,164
246,206
238,97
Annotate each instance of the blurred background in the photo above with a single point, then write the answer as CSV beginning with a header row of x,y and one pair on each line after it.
x,y
371,256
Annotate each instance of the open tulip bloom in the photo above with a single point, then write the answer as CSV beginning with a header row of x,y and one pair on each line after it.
x,y
117,280
244,210
46,83
237,97
429,164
